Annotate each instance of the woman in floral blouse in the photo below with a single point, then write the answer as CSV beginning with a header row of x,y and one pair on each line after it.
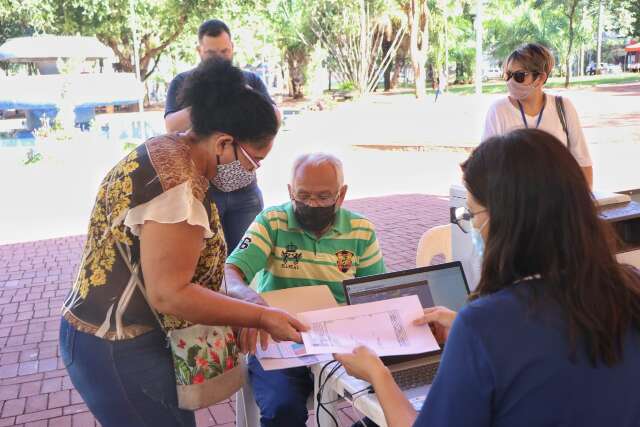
x,y
153,229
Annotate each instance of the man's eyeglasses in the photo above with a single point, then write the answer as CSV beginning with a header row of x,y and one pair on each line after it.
x,y
255,163
321,200
462,216
518,76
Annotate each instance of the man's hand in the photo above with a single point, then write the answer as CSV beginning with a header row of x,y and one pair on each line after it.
x,y
178,121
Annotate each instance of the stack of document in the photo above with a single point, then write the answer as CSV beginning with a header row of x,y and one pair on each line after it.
x,y
386,327
294,300
287,354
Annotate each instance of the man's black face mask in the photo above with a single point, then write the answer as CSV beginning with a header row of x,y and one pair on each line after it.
x,y
314,218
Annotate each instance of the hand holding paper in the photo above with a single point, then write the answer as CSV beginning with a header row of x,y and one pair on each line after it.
x,y
386,327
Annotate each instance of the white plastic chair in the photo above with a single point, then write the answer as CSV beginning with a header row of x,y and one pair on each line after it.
x,y
248,412
631,258
293,300
435,241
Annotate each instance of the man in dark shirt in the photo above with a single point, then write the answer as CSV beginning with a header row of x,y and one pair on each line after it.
x,y
238,208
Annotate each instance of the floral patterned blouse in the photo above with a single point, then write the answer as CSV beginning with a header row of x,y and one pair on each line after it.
x,y
106,300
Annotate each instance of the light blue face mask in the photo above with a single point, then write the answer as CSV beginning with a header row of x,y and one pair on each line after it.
x,y
477,240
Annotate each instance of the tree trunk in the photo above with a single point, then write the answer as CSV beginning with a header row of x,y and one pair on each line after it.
x,y
387,41
387,77
446,44
364,53
297,61
600,30
419,41
419,71
399,61
571,16
397,69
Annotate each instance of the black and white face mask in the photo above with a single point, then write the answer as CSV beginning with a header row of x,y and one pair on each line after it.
x,y
232,176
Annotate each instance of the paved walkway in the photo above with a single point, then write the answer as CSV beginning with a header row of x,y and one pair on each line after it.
x,y
35,277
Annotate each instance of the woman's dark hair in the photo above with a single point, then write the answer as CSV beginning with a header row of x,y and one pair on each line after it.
x,y
221,101
543,220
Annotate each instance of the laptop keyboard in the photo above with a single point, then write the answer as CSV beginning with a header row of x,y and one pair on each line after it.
x,y
415,377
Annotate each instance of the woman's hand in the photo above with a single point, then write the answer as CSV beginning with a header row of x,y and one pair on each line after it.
x,y
280,325
439,319
248,340
363,363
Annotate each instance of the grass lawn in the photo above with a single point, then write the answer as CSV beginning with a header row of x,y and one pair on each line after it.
x,y
498,86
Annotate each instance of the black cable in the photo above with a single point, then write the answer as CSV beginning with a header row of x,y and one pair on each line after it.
x,y
368,389
321,389
358,394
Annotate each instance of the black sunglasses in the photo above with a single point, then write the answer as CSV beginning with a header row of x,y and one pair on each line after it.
x,y
519,76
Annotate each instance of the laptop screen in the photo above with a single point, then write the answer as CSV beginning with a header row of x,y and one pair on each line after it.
x,y
443,284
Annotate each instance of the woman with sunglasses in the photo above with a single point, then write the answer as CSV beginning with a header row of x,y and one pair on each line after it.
x,y
551,335
154,260
526,71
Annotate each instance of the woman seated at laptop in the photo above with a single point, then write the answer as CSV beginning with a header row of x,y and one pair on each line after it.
x,y
551,335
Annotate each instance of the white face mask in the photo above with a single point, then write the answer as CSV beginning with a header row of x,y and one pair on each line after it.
x,y
519,91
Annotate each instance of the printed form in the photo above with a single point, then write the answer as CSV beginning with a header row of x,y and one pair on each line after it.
x,y
289,354
386,327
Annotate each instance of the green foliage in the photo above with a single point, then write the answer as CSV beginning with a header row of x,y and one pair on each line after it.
x,y
32,157
159,23
25,17
509,23
347,86
288,30
291,28
456,16
129,146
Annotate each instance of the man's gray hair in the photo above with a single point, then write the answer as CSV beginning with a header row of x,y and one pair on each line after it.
x,y
317,159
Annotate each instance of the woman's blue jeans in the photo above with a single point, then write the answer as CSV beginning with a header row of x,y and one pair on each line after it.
x,y
124,383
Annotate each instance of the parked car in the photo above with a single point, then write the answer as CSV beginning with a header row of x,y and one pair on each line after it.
x,y
492,73
615,68
605,68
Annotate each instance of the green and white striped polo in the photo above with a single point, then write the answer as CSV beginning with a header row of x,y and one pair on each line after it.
x,y
290,256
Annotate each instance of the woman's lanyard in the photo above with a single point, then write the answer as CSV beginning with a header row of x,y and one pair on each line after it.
x,y
524,119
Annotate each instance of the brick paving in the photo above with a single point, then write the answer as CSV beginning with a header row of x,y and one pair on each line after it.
x,y
35,390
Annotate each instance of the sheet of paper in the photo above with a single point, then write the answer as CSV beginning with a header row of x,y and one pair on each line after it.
x,y
281,350
272,364
289,354
384,326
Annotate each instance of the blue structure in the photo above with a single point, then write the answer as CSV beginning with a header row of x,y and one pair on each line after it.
x,y
47,92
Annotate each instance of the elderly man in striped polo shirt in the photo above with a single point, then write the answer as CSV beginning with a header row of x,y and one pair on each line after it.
x,y
310,240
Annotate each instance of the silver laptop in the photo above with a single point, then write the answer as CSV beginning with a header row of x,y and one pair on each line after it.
x,y
436,285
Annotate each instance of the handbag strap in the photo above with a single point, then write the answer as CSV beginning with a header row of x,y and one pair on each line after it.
x,y
563,118
139,285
